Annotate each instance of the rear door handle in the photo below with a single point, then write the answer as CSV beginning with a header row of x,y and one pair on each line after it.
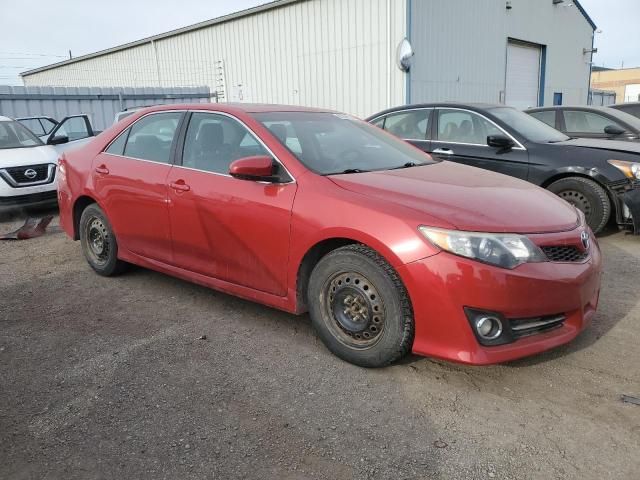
x,y
102,169
443,151
180,186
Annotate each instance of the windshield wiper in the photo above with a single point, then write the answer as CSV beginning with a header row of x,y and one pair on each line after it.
x,y
353,170
408,165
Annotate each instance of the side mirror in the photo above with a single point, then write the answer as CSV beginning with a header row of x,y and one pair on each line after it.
x,y
500,141
613,130
258,168
58,139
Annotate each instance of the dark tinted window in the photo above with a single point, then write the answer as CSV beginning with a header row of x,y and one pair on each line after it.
x,y
547,116
117,147
152,136
410,125
214,141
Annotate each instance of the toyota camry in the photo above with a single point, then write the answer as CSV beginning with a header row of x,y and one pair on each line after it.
x,y
389,250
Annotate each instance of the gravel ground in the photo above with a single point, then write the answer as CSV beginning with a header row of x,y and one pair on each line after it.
x,y
110,378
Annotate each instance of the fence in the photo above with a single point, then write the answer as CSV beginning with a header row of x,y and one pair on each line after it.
x,y
101,104
601,98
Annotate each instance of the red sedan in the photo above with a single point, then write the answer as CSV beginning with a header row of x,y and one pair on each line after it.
x,y
310,210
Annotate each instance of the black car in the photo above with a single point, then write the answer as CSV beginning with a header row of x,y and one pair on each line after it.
x,y
601,178
632,108
590,122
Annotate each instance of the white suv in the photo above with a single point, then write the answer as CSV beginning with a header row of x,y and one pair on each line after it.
x,y
28,166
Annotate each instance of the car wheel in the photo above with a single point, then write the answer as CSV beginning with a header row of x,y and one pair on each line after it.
x,y
587,196
360,308
99,244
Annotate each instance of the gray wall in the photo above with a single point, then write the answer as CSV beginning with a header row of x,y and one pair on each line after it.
x,y
461,48
101,104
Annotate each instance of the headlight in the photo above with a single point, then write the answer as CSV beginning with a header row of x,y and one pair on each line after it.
x,y
630,169
502,250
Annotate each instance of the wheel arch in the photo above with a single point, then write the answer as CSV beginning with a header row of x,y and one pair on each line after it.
x,y
596,177
321,248
81,203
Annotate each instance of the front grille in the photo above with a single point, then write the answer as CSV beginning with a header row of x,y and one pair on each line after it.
x,y
530,326
19,173
565,254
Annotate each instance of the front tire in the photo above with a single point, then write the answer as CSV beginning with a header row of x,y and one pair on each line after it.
x,y
99,244
360,308
588,197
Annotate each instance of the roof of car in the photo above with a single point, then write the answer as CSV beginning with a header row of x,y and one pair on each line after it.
x,y
237,107
468,106
572,107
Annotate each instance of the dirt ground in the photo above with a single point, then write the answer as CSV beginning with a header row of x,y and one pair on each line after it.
x,y
108,378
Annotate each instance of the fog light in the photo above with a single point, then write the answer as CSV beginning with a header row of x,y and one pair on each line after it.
x,y
489,328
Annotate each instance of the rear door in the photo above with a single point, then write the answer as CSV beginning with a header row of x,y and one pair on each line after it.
x,y
461,136
223,227
130,181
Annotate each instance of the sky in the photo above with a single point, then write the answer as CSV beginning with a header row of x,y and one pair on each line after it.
x,y
50,29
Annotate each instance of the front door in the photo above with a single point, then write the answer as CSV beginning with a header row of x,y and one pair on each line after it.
x,y
461,136
222,227
130,179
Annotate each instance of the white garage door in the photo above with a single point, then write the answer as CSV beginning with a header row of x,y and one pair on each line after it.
x,y
632,93
523,75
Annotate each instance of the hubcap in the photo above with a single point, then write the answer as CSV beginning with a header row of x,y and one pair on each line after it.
x,y
355,309
578,200
97,240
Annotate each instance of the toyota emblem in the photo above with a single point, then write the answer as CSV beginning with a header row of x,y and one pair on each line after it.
x,y
30,173
586,241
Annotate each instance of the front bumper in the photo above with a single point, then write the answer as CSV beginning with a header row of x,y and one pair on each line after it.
x,y
442,286
39,194
627,196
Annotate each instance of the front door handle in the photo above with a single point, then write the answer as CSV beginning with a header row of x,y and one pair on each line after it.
x,y
180,186
102,169
443,151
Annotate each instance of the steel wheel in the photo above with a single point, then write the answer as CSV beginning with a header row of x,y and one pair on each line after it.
x,y
355,309
578,200
97,236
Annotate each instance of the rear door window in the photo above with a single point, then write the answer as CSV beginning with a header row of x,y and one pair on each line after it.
x,y
151,137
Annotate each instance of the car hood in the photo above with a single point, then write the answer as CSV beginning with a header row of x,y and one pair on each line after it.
x,y
612,145
467,197
19,157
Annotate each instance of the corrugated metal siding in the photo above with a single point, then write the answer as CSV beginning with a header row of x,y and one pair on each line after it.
x,y
101,104
461,48
324,53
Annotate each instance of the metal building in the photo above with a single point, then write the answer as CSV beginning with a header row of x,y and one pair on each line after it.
x,y
343,54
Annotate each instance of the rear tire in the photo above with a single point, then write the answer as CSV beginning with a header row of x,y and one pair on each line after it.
x,y
587,196
360,308
99,244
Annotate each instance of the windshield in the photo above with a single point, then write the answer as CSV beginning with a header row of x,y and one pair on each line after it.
x,y
14,135
331,143
530,128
